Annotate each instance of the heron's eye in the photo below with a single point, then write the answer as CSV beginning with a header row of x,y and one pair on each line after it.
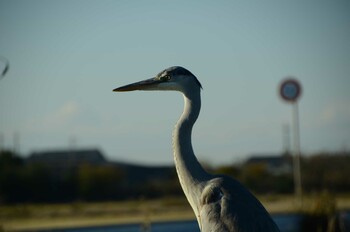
x,y
165,77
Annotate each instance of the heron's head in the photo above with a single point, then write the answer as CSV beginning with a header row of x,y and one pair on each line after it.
x,y
173,78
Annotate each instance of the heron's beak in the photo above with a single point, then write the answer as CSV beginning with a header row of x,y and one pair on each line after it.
x,y
148,84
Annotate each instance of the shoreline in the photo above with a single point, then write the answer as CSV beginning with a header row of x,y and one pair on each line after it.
x,y
32,217
76,222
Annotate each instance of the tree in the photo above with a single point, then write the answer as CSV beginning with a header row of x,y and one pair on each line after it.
x,y
99,182
11,179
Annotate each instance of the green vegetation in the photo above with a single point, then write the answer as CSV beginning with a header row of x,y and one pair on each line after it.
x,y
36,216
318,209
326,172
34,196
22,182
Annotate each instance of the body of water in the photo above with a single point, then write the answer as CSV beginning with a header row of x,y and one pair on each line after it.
x,y
286,223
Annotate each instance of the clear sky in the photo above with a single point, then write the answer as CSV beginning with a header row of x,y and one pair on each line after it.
x,y
67,56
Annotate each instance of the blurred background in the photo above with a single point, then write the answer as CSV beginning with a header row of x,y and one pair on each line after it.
x,y
66,138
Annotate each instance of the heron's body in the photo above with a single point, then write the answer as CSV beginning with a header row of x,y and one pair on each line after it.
x,y
220,203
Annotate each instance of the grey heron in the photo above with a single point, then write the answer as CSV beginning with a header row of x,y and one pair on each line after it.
x,y
219,202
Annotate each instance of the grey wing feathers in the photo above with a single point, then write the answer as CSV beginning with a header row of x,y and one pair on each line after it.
x,y
226,206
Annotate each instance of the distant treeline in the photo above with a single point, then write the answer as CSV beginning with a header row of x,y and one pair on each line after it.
x,y
27,182
319,172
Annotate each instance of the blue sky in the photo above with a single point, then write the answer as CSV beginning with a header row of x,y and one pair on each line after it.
x,y
67,56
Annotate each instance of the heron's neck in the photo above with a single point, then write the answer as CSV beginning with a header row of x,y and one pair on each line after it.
x,y
190,172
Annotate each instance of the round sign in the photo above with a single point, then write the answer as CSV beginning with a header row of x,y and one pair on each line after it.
x,y
290,90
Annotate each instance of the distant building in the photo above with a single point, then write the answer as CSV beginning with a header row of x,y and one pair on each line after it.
x,y
275,165
67,158
61,162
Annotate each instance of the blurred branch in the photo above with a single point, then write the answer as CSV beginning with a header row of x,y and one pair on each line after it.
x,y
6,67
